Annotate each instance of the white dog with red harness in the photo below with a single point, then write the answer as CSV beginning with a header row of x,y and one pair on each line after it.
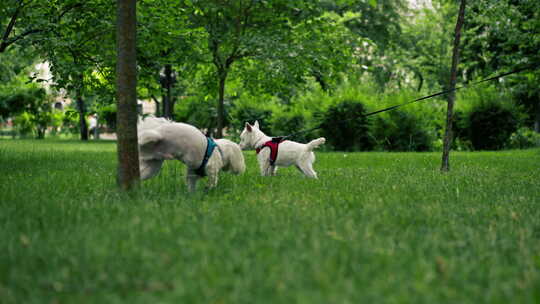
x,y
273,152
161,139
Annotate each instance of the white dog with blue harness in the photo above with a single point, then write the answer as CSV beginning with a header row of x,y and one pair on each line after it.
x,y
161,139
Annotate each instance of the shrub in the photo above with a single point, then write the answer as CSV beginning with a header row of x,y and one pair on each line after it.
x,y
489,117
70,121
24,124
285,123
33,108
401,131
524,138
200,112
248,113
346,128
106,115
57,117
461,141
249,109
490,126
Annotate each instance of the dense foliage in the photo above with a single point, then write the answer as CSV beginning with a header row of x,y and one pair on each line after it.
x,y
346,128
491,126
219,64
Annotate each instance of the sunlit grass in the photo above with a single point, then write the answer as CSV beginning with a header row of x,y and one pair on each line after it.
x,y
375,228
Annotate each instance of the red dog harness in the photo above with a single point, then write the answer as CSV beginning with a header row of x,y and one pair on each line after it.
x,y
273,145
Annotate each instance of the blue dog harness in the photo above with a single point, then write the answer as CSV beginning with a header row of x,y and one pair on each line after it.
x,y
210,146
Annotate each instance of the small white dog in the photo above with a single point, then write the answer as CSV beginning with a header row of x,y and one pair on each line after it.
x,y
160,139
271,154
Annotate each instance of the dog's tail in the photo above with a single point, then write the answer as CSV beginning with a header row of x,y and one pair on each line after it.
x,y
234,158
237,163
315,143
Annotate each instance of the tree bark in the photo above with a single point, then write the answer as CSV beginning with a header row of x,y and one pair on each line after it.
x,y
167,104
319,78
157,112
126,94
83,126
163,103
445,166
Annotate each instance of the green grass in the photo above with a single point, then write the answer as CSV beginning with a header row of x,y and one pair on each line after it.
x,y
375,228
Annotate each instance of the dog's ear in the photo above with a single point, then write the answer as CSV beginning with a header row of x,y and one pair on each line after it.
x,y
249,127
256,124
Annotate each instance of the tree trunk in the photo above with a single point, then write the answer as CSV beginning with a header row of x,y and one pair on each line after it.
x,y
126,94
221,104
83,126
445,166
167,97
157,112
319,78
163,103
40,132
420,81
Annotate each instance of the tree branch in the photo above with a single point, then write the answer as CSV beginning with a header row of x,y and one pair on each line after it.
x,y
7,42
10,26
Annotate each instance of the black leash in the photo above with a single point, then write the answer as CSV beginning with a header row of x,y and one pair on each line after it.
x,y
281,138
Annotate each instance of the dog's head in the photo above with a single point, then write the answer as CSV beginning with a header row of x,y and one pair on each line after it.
x,y
247,138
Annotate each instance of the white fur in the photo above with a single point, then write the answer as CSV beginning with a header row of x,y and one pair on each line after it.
x,y
161,139
289,152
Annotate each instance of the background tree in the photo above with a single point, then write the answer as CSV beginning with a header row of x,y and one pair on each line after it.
x,y
452,95
167,52
427,46
237,30
21,19
75,50
379,23
502,36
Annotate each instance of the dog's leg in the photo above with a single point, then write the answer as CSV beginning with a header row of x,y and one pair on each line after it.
x,y
300,169
307,170
311,172
213,176
264,162
269,170
264,165
149,168
191,179
274,170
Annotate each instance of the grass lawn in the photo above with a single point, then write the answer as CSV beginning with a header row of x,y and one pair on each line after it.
x,y
375,228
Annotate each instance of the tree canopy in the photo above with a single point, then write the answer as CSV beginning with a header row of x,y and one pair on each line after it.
x,y
217,54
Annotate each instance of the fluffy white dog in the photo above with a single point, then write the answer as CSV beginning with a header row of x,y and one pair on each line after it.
x,y
161,139
271,154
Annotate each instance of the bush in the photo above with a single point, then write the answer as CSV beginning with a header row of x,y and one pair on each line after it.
x,y
460,132
490,126
247,113
401,131
200,112
346,128
286,123
33,109
24,124
524,138
106,115
70,122
249,109
488,117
